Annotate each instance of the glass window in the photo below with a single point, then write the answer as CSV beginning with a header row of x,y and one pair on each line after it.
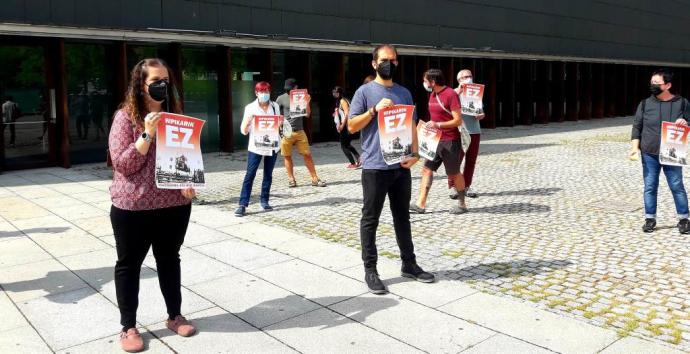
x,y
25,105
90,100
246,72
200,86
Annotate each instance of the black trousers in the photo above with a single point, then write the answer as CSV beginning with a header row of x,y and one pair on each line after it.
x,y
135,232
397,185
346,145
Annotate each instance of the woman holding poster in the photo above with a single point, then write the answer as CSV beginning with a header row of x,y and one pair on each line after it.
x,y
444,108
340,113
261,122
142,215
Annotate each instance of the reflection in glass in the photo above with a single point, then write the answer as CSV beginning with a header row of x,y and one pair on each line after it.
x,y
25,105
246,70
201,93
90,101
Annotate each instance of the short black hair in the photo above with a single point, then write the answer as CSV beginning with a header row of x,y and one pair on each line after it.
x,y
436,76
665,73
375,53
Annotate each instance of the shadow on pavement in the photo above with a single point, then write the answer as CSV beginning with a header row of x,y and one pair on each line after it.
x,y
96,277
486,271
45,230
229,323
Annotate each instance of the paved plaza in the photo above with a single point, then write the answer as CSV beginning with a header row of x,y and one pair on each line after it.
x,y
551,258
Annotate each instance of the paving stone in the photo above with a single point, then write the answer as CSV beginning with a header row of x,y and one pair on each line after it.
x,y
22,340
440,332
499,344
242,254
530,324
337,334
254,300
220,332
632,345
21,251
111,345
22,282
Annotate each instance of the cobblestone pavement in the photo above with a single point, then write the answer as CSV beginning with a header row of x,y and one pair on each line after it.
x,y
558,223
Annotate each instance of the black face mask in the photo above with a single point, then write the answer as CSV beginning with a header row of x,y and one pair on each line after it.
x,y
655,89
158,90
386,69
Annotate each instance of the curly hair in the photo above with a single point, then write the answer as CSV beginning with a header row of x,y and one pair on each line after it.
x,y
135,104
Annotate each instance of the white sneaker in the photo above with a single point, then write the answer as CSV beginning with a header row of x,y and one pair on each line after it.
x,y
471,193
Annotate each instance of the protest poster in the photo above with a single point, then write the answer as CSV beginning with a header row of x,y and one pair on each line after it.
x,y
179,163
428,138
471,99
674,144
298,103
395,132
266,132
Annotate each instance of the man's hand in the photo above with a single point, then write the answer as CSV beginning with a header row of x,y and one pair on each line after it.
x,y
409,161
384,103
682,122
480,116
634,154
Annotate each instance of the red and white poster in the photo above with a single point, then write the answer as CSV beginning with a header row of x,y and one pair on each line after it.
x,y
395,132
179,163
471,99
266,132
428,138
298,103
674,144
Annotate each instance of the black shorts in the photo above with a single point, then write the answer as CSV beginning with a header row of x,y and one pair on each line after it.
x,y
448,153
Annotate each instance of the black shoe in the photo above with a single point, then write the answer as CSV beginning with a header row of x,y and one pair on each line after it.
x,y
416,210
374,283
241,211
454,195
416,272
266,207
650,225
684,226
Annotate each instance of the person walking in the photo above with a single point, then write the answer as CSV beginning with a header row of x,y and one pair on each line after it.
x,y
444,109
340,114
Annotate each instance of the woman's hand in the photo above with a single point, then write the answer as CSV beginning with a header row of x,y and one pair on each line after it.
x,y
188,193
682,122
151,123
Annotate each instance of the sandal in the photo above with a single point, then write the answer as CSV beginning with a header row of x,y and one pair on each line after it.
x,y
292,183
318,183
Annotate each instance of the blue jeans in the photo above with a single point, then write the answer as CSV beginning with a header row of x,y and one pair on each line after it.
x,y
253,161
651,167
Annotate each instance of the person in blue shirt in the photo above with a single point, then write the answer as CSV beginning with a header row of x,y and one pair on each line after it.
x,y
380,179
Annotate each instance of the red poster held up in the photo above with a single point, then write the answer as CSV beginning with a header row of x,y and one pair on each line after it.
x,y
179,163
395,132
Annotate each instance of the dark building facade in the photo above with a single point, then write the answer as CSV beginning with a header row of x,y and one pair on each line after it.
x,y
66,62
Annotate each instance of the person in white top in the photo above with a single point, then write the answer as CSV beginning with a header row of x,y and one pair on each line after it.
x,y
262,106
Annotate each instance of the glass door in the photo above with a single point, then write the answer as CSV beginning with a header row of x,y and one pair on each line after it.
x,y
27,107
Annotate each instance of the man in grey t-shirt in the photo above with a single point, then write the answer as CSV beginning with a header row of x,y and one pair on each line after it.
x,y
380,179
298,137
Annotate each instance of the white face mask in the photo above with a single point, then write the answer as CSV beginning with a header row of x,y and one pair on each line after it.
x,y
263,97
466,81
427,87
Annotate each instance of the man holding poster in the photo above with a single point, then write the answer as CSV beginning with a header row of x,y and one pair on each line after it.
x,y
444,109
380,179
294,105
662,108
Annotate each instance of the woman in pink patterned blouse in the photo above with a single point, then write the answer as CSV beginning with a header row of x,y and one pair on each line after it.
x,y
142,215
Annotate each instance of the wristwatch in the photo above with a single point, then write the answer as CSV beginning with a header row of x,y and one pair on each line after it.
x,y
147,138
414,154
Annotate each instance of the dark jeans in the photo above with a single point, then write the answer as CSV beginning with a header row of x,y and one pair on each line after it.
x,y
135,232
253,161
397,184
346,144
13,132
651,168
